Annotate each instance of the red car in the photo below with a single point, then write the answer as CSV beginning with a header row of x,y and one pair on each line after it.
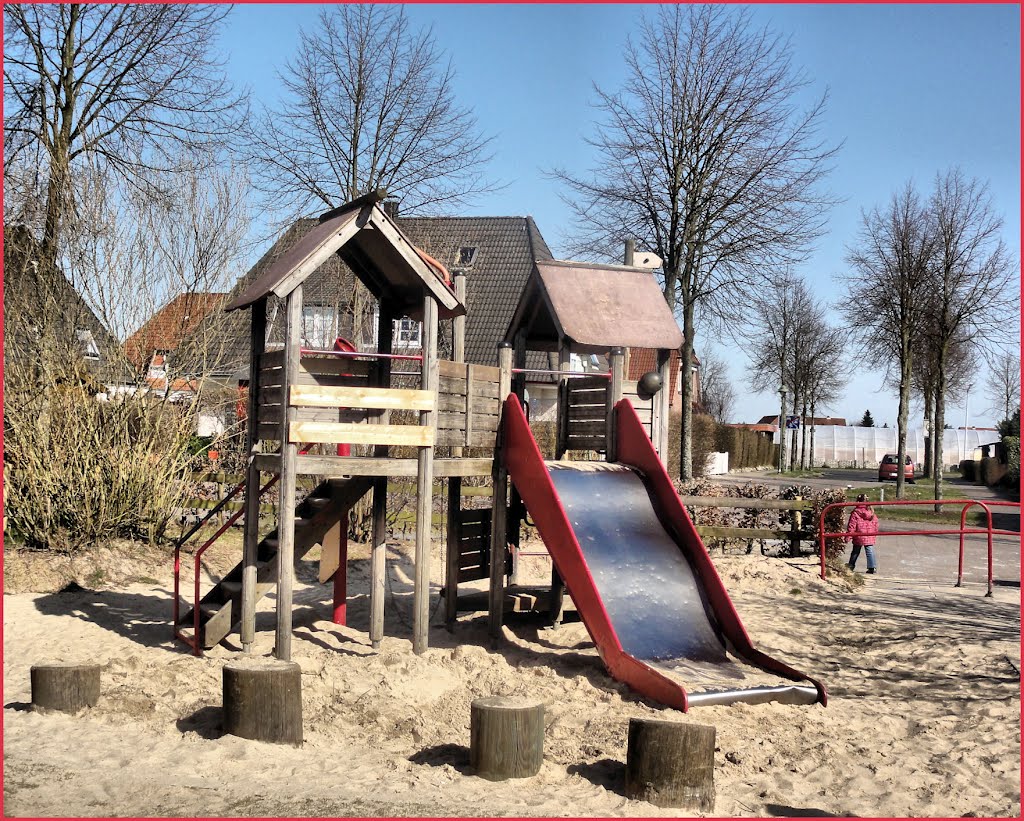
x,y
888,466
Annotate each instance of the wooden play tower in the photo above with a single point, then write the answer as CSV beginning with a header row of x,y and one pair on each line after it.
x,y
406,416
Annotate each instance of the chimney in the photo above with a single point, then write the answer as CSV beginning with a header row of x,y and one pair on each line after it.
x,y
390,207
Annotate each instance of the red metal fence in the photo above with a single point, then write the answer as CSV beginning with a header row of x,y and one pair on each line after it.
x,y
963,530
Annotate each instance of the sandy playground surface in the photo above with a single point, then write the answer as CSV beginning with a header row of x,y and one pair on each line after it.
x,y
923,717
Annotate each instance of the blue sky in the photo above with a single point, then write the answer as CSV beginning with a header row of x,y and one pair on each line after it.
x,y
914,89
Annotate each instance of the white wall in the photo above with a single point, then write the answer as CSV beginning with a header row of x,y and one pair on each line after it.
x,y
864,447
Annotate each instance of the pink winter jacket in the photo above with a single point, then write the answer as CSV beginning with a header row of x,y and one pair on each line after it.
x,y
864,523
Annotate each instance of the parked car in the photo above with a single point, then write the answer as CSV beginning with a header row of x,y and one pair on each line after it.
x,y
888,466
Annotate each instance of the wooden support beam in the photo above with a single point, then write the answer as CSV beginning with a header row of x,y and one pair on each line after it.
x,y
660,407
451,574
618,369
499,512
251,533
424,483
378,550
286,508
357,434
322,396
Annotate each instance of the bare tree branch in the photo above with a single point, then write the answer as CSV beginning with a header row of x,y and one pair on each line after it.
x,y
705,159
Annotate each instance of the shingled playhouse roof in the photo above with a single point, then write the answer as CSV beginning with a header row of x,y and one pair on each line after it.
x,y
497,255
374,247
594,308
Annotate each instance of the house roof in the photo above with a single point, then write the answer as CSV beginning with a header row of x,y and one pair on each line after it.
x,y
758,427
165,330
593,308
495,253
374,247
43,301
820,421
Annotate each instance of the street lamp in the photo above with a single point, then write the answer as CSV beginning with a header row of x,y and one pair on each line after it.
x,y
967,427
782,428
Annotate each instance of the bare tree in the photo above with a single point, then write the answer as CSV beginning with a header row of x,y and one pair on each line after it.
x,y
828,369
716,392
369,103
113,85
774,314
705,159
960,369
971,297
883,305
1003,384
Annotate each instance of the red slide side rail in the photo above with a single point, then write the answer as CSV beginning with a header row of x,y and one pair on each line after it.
x,y
530,475
636,450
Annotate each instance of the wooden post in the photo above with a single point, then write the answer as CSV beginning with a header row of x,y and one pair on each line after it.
x,y
451,584
795,527
286,510
671,764
425,484
378,554
262,700
660,406
251,534
451,581
499,508
506,737
614,395
459,323
562,428
64,686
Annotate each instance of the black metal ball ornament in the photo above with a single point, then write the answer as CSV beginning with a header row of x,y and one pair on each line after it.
x,y
649,384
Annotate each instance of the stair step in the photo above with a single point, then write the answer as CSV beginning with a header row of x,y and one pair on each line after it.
x,y
318,502
231,587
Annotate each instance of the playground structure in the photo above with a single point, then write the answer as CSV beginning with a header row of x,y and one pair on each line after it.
x,y
635,567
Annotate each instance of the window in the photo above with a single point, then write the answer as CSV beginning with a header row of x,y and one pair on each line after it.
x,y
467,255
319,326
408,333
86,344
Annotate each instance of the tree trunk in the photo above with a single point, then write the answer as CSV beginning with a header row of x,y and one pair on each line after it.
x,y
810,460
903,415
803,436
262,700
506,737
671,764
793,437
940,425
929,415
686,383
65,686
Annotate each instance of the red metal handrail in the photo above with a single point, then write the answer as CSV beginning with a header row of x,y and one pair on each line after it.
x,y
823,535
963,522
603,374
194,642
363,354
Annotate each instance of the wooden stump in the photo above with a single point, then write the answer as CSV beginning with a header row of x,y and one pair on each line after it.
x,y
263,700
65,686
506,737
671,764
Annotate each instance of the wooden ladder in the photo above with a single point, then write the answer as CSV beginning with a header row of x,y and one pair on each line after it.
x,y
220,610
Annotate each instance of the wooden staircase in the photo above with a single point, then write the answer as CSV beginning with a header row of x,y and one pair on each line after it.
x,y
220,610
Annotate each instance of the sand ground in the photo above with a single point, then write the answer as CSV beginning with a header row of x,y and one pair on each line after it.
x,y
923,717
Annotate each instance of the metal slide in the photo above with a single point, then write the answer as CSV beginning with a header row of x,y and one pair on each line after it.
x,y
640,577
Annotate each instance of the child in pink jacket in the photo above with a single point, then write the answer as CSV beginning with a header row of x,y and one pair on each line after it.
x,y
863,524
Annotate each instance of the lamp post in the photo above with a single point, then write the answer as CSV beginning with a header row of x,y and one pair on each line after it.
x,y
967,427
782,428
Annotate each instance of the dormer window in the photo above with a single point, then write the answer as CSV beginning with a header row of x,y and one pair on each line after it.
x,y
467,255
408,333
87,345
